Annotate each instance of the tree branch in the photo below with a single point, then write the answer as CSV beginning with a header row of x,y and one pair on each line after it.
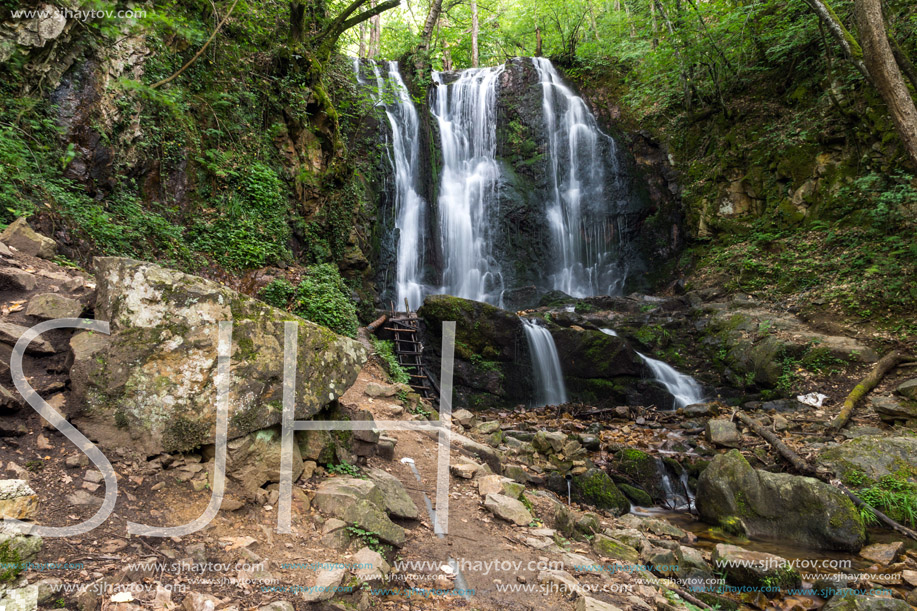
x,y
200,51
381,8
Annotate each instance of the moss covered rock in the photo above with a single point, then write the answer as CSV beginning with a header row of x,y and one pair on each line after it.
x,y
151,386
778,506
594,487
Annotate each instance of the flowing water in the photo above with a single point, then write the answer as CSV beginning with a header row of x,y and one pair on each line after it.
x,y
410,207
581,211
548,376
465,112
684,389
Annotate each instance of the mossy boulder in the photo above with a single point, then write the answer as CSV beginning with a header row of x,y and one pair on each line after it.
x,y
642,470
480,328
151,386
593,354
636,495
801,510
874,456
594,487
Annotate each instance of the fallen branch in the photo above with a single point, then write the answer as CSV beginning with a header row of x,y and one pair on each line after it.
x,y
885,364
803,467
371,327
200,51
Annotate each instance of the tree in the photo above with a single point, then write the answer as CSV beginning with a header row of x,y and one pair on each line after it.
x,y
426,36
311,25
886,75
875,60
474,33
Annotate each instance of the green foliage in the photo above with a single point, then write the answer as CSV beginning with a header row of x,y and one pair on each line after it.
x,y
385,350
369,538
10,563
323,298
894,496
345,469
278,293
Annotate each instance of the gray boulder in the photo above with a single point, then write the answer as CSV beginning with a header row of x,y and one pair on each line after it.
x,y
723,433
779,506
254,460
747,568
23,238
394,496
508,509
151,388
908,389
358,502
873,455
51,305
865,602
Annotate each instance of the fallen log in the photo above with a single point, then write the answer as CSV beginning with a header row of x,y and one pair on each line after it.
x,y
885,364
803,467
371,327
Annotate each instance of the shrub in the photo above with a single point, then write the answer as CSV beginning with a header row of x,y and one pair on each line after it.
x,y
278,293
323,298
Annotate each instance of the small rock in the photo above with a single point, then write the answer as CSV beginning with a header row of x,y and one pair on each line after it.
x,y
77,460
51,305
326,582
723,433
385,449
508,509
486,428
10,334
463,417
374,389
277,605
908,389
465,470
883,553
308,469
81,497
781,423
585,603
375,568
397,501
562,578
23,238
9,400
195,601
17,280
889,408
17,500
94,476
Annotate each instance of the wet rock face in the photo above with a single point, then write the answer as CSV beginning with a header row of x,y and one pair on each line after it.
x,y
872,455
785,507
151,385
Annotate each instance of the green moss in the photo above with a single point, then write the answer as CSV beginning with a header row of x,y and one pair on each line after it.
x,y
638,496
182,435
10,563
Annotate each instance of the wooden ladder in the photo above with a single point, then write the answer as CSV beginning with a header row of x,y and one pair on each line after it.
x,y
409,351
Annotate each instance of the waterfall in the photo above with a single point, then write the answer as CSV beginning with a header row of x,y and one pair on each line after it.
x,y
410,207
683,388
465,112
404,159
584,229
548,377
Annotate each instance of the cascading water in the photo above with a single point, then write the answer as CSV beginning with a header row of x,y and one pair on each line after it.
x,y
683,388
580,211
410,207
465,111
548,376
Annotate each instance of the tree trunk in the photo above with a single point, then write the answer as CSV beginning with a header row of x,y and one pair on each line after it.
x,y
362,52
885,364
595,29
880,61
474,34
845,39
430,24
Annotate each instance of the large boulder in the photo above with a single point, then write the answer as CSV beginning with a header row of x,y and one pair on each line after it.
x,y
779,506
152,388
254,460
873,455
20,236
749,568
395,497
594,487
865,602
359,503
